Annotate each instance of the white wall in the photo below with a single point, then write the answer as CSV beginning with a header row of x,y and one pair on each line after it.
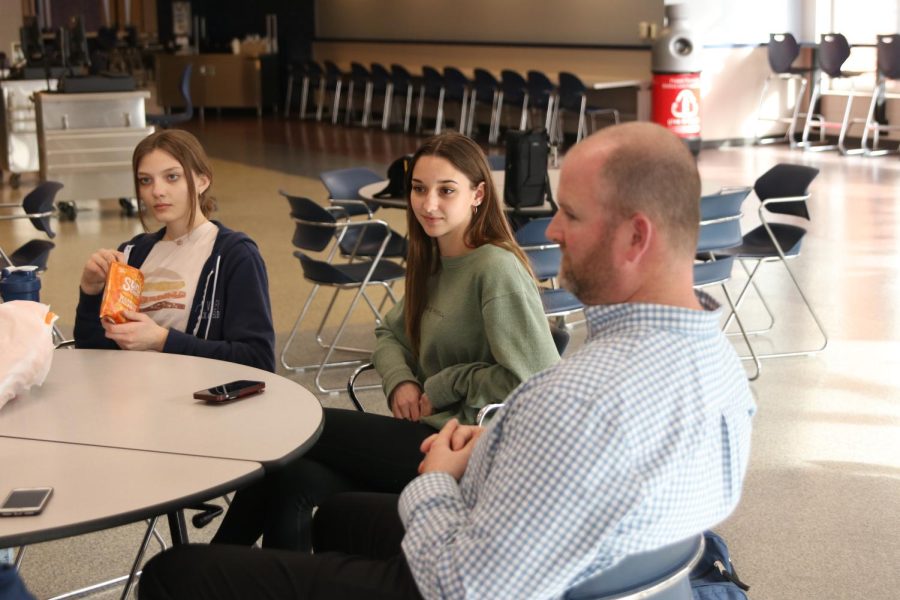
x,y
9,24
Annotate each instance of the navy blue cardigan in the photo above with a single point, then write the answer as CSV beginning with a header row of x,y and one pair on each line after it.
x,y
231,316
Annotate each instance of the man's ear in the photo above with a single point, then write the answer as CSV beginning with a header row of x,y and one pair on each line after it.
x,y
640,235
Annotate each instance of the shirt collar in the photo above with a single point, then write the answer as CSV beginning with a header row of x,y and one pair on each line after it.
x,y
611,318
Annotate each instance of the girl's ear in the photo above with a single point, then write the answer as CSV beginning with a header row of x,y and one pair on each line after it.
x,y
201,183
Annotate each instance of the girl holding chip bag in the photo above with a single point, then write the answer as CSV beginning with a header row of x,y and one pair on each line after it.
x,y
200,288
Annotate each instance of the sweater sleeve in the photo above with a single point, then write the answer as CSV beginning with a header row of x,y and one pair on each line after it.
x,y
392,357
89,333
248,336
519,338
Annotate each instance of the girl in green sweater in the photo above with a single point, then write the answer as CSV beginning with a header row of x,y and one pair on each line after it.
x,y
469,329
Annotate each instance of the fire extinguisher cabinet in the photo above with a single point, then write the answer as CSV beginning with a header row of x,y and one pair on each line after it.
x,y
676,66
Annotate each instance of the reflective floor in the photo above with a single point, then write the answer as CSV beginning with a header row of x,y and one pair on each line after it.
x,y
819,515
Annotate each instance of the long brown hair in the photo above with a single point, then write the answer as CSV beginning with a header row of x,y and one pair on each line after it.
x,y
186,149
488,224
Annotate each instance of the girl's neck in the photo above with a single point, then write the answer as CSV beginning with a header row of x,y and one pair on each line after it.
x,y
175,231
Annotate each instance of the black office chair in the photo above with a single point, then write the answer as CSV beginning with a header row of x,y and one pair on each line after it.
x,y
343,187
782,190
513,92
456,89
169,120
431,88
783,50
359,77
876,121
484,86
332,80
542,96
321,230
573,99
834,50
37,207
381,81
401,82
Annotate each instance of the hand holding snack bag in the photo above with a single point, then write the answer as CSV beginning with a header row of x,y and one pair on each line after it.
x,y
122,292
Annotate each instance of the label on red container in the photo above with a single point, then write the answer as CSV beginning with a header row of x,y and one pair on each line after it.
x,y
676,103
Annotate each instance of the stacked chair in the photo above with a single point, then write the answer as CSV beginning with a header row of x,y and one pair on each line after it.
x,y
888,70
345,266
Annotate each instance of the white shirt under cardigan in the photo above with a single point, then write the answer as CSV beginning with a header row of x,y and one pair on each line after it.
x,y
638,440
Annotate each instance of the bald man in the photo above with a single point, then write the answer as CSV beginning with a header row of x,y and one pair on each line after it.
x,y
638,440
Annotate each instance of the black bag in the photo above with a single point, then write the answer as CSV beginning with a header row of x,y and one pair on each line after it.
x,y
397,173
526,182
714,577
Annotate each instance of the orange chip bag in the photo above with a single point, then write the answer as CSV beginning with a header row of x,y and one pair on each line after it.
x,y
122,292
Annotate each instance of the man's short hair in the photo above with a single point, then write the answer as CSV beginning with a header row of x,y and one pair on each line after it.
x,y
651,170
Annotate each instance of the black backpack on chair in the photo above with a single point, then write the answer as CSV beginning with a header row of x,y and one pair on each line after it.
x,y
526,183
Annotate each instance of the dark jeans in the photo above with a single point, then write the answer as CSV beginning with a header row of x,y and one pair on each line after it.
x,y
357,543
356,452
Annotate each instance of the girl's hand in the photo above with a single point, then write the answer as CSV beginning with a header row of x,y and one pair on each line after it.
x,y
405,401
139,333
93,277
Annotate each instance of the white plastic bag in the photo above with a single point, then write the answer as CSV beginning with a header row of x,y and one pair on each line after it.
x,y
26,346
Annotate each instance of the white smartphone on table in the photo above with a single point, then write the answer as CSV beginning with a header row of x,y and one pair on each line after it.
x,y
25,501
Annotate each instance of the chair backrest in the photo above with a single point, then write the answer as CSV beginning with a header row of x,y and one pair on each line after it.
x,y
39,201
782,50
658,574
485,83
571,91
313,70
433,81
539,87
889,56
344,184
544,255
834,50
513,85
455,83
333,73
400,76
306,236
380,75
786,181
358,73
720,220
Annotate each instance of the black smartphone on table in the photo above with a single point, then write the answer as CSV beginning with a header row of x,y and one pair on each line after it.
x,y
231,391
25,501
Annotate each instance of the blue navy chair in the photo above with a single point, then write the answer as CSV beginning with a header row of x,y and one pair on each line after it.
x,y
431,88
37,207
309,74
661,574
380,80
542,96
456,89
888,70
401,82
782,190
322,230
573,99
168,120
545,256
782,51
484,86
513,92
359,78
720,230
332,80
343,187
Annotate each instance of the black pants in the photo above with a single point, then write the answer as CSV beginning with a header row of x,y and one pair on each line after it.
x,y
357,543
356,452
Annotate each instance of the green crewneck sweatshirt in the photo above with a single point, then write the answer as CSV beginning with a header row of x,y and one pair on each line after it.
x,y
483,333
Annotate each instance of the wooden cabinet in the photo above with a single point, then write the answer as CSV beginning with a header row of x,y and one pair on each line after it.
x,y
219,80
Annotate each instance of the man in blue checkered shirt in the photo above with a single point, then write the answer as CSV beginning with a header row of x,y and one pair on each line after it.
x,y
637,440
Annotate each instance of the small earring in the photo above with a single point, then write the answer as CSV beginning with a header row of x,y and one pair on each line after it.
x,y
474,209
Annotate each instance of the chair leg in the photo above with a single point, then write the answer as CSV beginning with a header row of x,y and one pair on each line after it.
x,y
287,99
496,118
740,325
367,103
421,108
336,107
388,106
348,116
439,116
408,113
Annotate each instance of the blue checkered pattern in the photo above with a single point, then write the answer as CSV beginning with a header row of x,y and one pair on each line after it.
x,y
638,440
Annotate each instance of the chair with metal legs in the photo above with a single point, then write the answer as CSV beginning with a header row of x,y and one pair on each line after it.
x,y
401,83
542,96
380,83
431,88
513,92
782,190
332,80
834,50
888,70
484,86
782,51
573,99
359,78
456,89
37,206
343,187
321,230
720,229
